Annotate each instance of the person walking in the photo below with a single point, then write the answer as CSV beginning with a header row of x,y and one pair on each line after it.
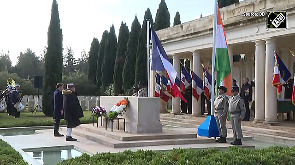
x,y
246,95
237,112
72,110
221,108
58,108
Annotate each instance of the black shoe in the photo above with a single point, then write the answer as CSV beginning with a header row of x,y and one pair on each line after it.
x,y
236,142
217,140
222,140
58,135
69,138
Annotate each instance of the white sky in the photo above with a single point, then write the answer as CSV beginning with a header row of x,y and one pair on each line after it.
x,y
24,23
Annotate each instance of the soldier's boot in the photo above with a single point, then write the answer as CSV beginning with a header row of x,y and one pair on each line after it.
x,y
218,139
222,140
236,142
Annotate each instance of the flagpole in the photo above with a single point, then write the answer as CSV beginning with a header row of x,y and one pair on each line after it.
x,y
213,57
148,54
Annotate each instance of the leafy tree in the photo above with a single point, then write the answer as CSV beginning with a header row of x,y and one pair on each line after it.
x,y
162,17
5,62
141,60
82,63
28,65
69,61
120,59
130,62
93,56
103,44
53,60
223,3
177,19
109,58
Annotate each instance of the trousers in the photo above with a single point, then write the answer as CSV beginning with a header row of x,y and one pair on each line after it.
x,y
236,125
221,123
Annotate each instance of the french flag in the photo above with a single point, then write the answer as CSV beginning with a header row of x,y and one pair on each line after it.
x,y
160,62
185,77
180,84
197,86
207,82
157,87
166,83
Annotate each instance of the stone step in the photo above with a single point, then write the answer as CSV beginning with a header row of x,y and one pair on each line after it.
x,y
141,143
274,138
125,136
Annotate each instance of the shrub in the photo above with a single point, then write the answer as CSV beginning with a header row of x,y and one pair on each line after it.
x,y
232,156
8,155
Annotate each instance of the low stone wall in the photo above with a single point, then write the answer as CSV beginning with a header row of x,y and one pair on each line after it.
x,y
143,115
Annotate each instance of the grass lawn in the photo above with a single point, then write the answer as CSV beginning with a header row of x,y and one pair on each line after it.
x,y
31,119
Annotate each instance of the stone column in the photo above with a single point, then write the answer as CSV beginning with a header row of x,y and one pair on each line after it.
x,y
259,80
176,100
270,91
152,83
196,105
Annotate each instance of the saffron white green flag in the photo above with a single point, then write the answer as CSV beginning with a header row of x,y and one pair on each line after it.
x,y
222,62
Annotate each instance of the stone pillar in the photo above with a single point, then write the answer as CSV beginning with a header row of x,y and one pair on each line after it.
x,y
152,83
270,91
196,107
259,80
176,100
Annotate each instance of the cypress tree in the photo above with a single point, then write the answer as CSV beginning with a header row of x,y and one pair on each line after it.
x,y
141,63
103,44
53,61
109,58
162,17
177,19
92,62
120,59
130,62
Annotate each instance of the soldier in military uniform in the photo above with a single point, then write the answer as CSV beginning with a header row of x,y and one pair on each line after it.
x,y
246,95
237,112
135,90
221,108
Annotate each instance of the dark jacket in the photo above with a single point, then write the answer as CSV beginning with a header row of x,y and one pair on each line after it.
x,y
57,104
246,92
72,108
14,97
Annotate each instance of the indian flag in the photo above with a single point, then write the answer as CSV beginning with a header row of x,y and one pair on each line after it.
x,y
222,63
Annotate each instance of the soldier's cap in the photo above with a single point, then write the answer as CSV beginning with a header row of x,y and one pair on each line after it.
x,y
17,85
70,85
223,88
235,88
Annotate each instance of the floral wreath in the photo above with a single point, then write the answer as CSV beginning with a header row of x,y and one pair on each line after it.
x,y
98,111
118,109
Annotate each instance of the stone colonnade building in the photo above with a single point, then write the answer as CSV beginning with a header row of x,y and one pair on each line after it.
x,y
245,35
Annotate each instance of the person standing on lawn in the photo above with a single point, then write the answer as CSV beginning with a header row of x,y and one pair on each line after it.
x,y
58,108
72,110
237,112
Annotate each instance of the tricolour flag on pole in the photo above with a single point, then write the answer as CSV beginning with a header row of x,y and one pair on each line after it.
x,y
166,84
280,73
179,84
222,63
197,86
160,62
186,76
207,82
157,86
293,92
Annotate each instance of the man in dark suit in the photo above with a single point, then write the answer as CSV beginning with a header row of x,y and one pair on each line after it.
x,y
58,108
246,95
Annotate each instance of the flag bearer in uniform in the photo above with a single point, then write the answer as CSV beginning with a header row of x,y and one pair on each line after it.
x,y
221,108
237,112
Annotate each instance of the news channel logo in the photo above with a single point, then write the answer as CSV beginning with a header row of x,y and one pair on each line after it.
x,y
277,19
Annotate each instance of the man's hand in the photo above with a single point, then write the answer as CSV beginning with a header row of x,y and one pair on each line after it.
x,y
62,112
240,119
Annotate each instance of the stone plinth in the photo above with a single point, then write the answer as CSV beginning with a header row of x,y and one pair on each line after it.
x,y
143,115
